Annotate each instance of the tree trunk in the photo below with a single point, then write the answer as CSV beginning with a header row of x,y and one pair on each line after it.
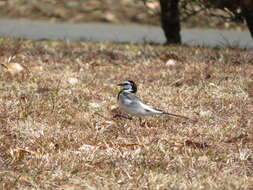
x,y
247,11
170,20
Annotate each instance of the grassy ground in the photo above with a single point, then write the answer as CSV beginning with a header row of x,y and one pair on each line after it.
x,y
57,132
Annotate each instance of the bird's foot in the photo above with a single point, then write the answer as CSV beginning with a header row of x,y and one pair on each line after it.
x,y
142,123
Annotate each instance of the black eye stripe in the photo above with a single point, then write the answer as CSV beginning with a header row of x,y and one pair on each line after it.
x,y
129,85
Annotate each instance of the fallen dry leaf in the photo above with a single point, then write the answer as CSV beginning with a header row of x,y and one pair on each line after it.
x,y
14,68
193,144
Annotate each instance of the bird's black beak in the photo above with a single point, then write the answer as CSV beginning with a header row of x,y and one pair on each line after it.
x,y
121,84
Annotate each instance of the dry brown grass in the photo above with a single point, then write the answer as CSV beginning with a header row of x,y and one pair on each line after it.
x,y
57,130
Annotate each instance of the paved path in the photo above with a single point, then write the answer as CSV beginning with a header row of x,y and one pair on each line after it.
x,y
120,33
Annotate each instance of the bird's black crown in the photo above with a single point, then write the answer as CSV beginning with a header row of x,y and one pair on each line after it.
x,y
129,85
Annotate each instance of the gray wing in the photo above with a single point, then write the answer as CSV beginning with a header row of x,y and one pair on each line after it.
x,y
131,100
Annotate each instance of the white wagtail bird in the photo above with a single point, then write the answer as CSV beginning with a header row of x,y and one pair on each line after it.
x,y
132,105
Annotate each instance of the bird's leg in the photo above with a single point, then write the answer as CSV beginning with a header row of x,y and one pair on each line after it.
x,y
141,122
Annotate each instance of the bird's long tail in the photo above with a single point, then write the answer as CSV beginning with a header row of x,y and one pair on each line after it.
x,y
175,115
